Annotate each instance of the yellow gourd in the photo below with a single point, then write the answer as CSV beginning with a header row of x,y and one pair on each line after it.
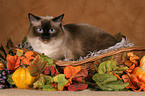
x,y
23,79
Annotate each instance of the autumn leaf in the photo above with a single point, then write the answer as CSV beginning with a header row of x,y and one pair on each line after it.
x,y
109,82
111,67
130,69
39,83
128,63
19,52
60,79
106,66
37,66
77,87
48,87
133,58
78,77
27,57
50,70
125,78
3,53
12,62
42,81
70,71
9,43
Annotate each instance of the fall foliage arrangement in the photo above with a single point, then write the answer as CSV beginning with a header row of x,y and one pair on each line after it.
x,y
30,70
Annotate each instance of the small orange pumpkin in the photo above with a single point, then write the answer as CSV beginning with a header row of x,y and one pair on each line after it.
x,y
23,79
140,71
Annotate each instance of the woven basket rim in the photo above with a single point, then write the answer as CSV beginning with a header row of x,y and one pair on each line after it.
x,y
75,63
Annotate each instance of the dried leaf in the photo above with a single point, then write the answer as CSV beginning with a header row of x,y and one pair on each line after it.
x,y
48,87
9,43
37,66
70,71
19,52
3,52
77,87
128,63
130,68
50,70
78,77
12,62
125,78
133,58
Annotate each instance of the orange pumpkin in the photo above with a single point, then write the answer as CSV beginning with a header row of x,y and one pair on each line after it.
x,y
23,79
140,73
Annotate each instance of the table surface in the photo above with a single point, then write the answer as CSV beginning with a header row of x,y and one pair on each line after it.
x,y
26,92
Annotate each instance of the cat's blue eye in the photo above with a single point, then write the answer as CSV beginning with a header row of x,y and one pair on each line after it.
x,y
51,30
40,30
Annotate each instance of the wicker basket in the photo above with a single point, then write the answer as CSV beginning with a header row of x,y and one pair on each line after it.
x,y
118,55
89,63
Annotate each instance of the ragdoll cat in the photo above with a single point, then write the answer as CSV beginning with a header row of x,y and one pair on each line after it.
x,y
48,35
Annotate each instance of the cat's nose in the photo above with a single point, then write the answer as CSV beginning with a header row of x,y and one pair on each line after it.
x,y
45,37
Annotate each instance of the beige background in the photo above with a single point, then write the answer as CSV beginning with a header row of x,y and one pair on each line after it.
x,y
113,16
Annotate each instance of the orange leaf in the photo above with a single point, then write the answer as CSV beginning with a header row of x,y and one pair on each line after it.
x,y
130,68
29,54
70,71
128,63
27,58
12,62
125,78
133,58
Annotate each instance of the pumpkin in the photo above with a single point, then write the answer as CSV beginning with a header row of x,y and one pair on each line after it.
x,y
142,62
140,71
23,79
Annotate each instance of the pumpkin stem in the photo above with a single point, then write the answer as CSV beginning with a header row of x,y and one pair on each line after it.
x,y
23,65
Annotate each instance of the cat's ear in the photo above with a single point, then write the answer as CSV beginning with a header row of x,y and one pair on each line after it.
x,y
59,18
33,18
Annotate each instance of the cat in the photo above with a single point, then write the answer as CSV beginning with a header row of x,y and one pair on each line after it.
x,y
48,35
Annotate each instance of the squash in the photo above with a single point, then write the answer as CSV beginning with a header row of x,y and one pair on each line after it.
x,y
140,71
23,79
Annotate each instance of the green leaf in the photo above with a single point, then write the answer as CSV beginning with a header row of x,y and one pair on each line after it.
x,y
107,66
46,58
39,82
104,78
48,79
60,79
48,87
119,70
109,82
116,85
10,80
37,66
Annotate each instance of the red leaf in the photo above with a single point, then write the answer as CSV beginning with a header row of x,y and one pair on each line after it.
x,y
80,75
78,79
77,87
50,70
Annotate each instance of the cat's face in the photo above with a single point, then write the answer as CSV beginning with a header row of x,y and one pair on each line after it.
x,y
45,28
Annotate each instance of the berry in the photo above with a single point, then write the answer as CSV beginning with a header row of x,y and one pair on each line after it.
x,y
2,81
